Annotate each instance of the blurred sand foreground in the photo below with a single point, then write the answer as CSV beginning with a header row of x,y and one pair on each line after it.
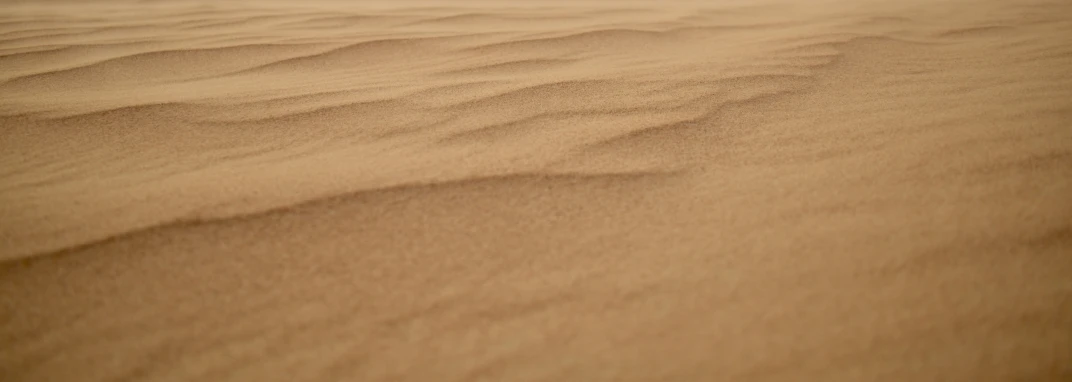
x,y
829,190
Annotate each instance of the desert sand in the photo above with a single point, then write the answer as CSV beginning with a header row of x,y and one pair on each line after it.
x,y
595,190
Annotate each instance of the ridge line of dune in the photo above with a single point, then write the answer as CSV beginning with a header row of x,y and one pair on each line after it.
x,y
430,185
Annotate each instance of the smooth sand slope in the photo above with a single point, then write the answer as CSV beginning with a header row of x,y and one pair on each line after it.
x,y
828,190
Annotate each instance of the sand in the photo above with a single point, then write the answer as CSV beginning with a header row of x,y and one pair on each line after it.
x,y
597,190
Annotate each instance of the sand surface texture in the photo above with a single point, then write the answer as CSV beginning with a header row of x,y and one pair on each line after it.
x,y
597,190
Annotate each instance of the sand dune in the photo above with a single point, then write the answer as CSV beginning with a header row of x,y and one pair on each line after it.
x,y
831,190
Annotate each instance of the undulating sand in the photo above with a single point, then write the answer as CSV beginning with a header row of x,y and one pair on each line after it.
x,y
595,190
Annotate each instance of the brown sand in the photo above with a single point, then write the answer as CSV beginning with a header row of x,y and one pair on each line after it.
x,y
834,190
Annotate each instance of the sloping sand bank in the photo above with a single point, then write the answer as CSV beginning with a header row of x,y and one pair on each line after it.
x,y
829,190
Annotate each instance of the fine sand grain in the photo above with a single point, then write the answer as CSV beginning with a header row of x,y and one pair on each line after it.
x,y
595,190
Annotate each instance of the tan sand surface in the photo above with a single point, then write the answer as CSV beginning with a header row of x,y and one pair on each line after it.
x,y
595,190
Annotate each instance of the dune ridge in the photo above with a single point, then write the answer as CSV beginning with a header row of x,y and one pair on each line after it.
x,y
836,190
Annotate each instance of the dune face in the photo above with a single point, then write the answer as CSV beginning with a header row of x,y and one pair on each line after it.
x,y
830,190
